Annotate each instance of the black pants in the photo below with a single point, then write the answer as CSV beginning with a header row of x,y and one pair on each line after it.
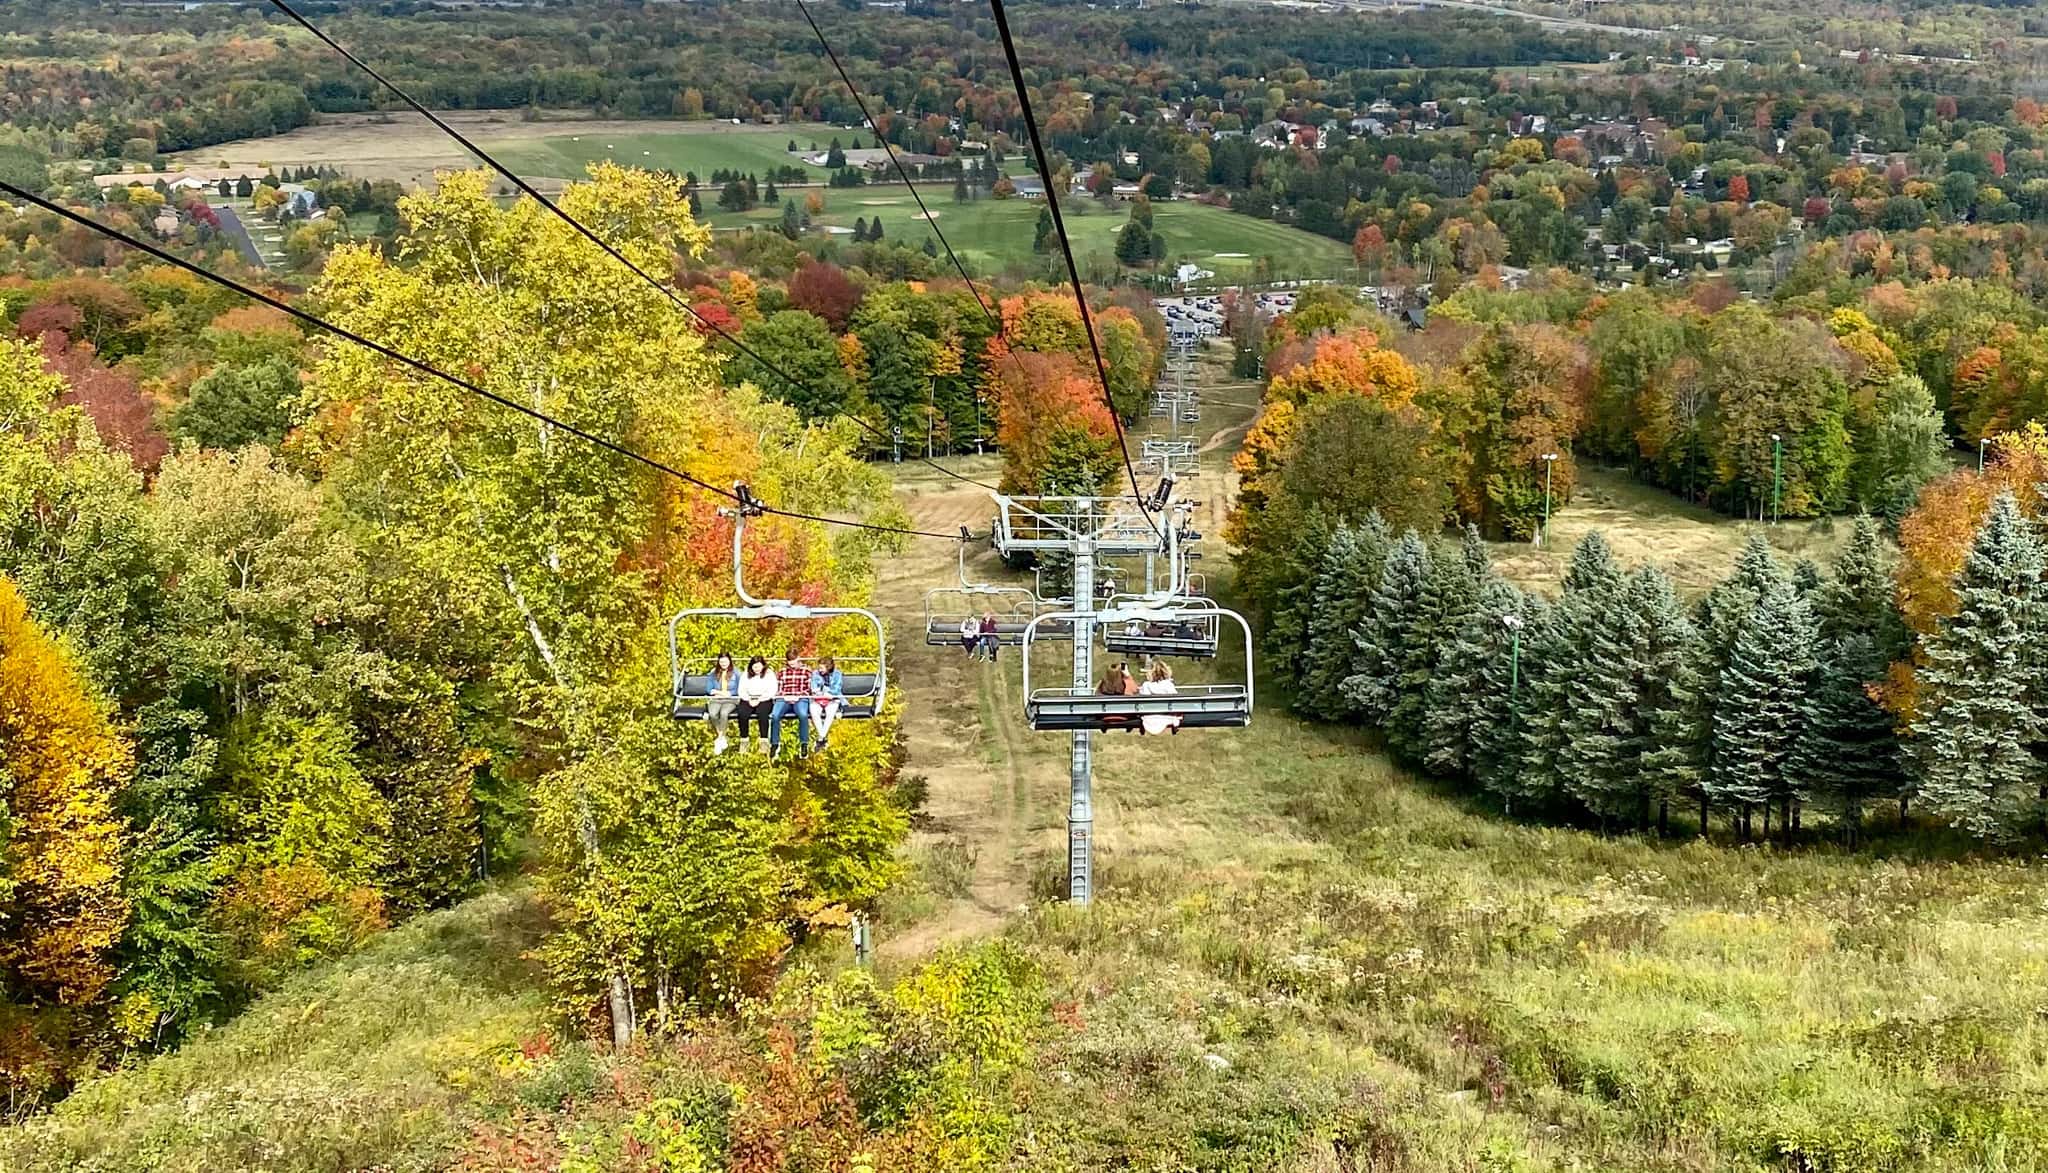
x,y
756,712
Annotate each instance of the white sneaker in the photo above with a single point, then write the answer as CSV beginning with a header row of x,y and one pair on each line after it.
x,y
718,747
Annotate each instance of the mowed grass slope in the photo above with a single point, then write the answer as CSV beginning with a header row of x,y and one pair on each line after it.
x,y
705,148
991,234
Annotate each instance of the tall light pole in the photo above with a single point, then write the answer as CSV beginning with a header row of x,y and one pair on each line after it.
x,y
1513,622
1980,454
1777,472
1549,464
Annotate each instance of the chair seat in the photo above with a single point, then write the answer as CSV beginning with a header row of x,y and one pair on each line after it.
x,y
1214,707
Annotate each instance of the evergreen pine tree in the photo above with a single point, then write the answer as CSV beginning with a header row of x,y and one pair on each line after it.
x,y
1046,238
1343,595
696,208
860,230
1286,630
1850,753
1761,706
1451,595
1859,600
1461,696
1558,651
792,220
1387,633
1976,739
1806,578
1592,566
768,194
1718,618
1630,695
1500,740
875,227
960,187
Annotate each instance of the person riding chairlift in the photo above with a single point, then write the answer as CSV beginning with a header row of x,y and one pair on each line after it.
x,y
970,636
828,693
724,699
757,698
1160,684
792,695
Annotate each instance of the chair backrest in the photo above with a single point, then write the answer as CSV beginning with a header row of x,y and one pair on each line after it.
x,y
857,684
694,686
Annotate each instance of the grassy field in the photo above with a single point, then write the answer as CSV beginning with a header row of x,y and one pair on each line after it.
x,y
1301,959
706,147
991,234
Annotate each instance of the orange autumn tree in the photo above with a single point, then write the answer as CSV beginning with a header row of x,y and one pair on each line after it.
x,y
1344,364
1935,538
61,908
1056,433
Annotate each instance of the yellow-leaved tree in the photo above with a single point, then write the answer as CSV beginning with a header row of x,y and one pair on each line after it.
x,y
61,909
565,558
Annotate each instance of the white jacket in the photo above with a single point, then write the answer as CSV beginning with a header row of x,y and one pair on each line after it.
x,y
755,689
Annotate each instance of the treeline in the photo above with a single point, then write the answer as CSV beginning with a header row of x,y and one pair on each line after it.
x,y
357,642
1795,410
930,367
1616,702
228,78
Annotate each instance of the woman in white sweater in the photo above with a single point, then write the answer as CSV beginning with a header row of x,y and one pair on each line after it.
x,y
1160,683
757,697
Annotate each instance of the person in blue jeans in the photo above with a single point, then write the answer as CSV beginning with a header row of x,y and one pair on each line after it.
x,y
793,695
828,693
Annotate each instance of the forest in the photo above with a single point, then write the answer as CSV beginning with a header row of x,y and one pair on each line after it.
x,y
318,667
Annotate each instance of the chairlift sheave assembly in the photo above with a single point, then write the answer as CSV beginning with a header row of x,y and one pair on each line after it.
x,y
690,677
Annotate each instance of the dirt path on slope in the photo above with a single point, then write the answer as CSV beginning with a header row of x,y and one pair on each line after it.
x,y
996,792
960,718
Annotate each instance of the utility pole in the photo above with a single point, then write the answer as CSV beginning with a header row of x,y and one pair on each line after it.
x,y
1081,795
1980,454
1777,472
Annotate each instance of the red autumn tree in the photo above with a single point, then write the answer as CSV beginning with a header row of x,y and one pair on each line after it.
x,y
122,415
824,289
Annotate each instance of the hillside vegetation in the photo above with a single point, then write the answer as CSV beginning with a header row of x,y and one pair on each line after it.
x,y
1301,958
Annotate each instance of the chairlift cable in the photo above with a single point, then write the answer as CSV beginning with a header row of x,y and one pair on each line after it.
x,y
860,103
425,368
530,191
1059,224
902,172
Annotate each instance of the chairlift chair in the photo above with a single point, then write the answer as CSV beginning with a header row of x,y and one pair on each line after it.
x,y
1192,632
945,608
1199,706
690,676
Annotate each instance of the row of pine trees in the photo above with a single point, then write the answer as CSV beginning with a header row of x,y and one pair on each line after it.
x,y
1615,701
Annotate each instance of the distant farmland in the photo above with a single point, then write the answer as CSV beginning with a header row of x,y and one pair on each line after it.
x,y
990,234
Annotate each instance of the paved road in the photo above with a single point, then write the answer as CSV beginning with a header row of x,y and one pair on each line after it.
x,y
231,224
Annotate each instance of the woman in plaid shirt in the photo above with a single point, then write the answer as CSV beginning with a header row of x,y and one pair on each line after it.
x,y
793,695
